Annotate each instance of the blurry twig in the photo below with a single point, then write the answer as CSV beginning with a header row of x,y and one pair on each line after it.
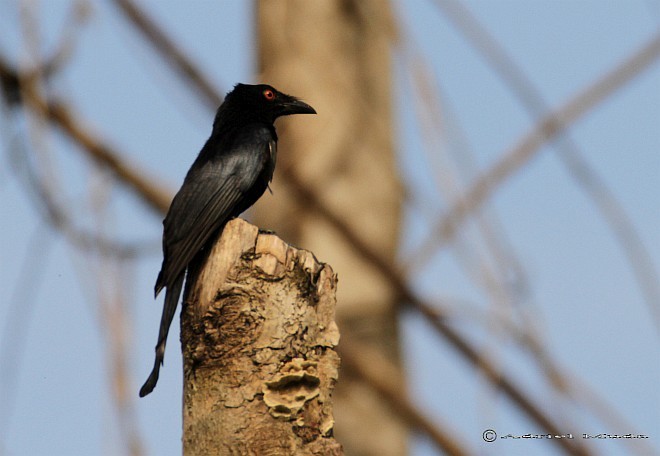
x,y
59,218
550,126
503,277
151,193
526,331
45,68
167,49
568,152
572,385
115,321
113,278
377,372
56,213
60,114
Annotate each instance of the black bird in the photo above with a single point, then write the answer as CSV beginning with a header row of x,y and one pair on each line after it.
x,y
230,174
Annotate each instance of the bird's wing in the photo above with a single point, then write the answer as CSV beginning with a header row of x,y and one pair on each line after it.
x,y
208,198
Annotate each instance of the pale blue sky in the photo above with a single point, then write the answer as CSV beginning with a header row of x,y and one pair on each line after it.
x,y
584,300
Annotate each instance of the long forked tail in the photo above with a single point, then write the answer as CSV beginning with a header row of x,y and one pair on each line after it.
x,y
169,308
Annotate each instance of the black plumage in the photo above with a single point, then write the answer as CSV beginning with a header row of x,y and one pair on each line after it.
x,y
230,174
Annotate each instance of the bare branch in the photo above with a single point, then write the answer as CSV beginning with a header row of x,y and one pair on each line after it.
x,y
58,113
60,219
171,53
548,128
567,150
113,313
374,369
524,333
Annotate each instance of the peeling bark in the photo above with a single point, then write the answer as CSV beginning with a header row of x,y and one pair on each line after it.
x,y
258,337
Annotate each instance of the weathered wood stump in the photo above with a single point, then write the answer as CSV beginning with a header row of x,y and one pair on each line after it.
x,y
258,337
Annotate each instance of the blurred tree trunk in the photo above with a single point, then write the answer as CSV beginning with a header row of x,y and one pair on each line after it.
x,y
337,56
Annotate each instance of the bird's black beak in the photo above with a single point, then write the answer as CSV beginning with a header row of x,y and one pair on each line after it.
x,y
295,106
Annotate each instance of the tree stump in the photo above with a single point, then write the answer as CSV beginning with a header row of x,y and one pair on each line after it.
x,y
258,337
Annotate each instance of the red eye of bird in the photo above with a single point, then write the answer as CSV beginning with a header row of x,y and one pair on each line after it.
x,y
269,95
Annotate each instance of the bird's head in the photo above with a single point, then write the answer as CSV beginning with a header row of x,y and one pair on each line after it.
x,y
263,103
